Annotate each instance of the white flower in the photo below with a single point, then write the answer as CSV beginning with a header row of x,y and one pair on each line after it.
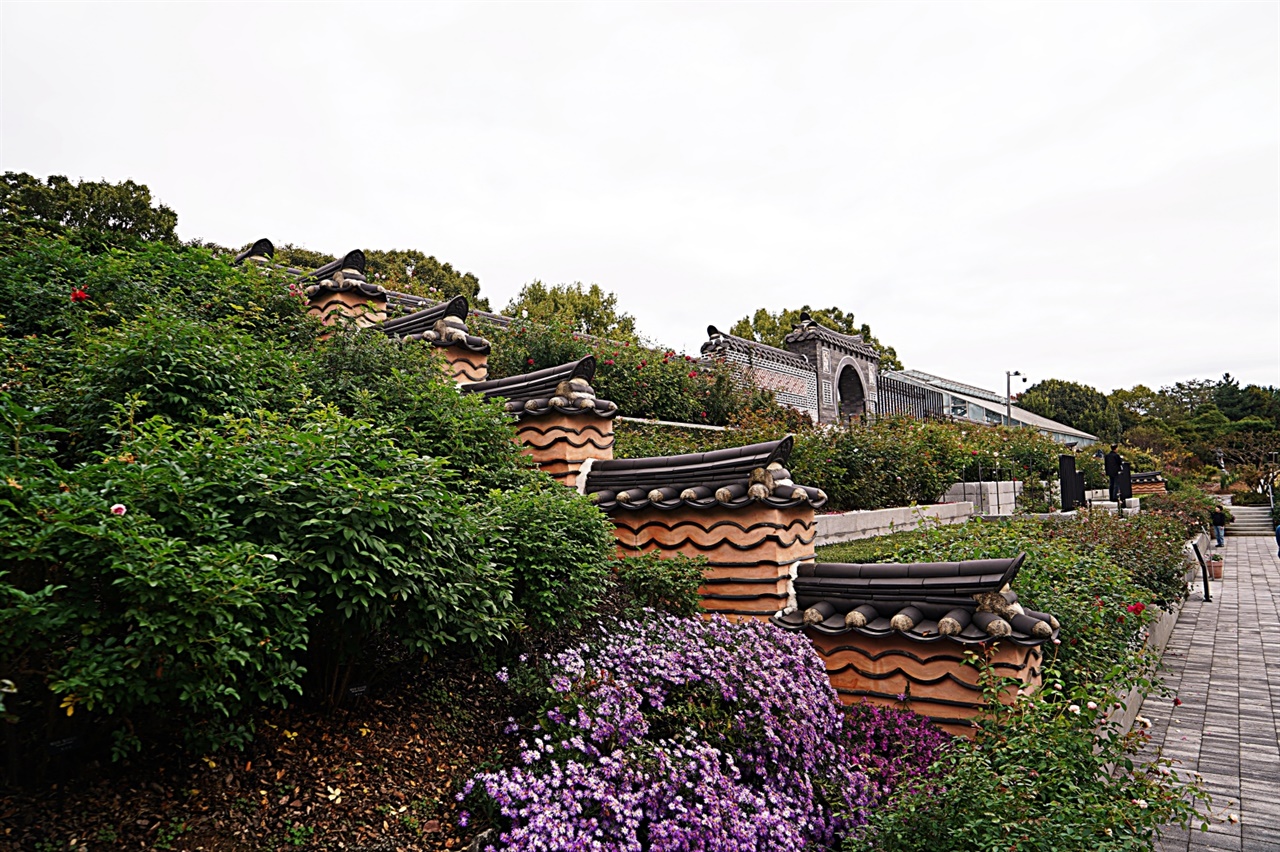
x,y
1142,803
1092,705
1074,708
118,509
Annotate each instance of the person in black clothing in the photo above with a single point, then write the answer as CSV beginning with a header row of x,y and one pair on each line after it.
x,y
1219,520
1111,464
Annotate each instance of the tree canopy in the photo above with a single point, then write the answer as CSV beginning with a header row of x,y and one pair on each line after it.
x,y
96,214
769,327
1079,406
586,310
405,270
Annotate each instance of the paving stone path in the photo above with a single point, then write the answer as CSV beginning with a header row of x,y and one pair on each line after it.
x,y
1223,661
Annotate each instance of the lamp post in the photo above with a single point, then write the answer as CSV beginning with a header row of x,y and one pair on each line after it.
x,y
1008,395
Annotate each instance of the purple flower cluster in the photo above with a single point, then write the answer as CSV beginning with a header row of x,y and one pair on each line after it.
x,y
895,748
688,734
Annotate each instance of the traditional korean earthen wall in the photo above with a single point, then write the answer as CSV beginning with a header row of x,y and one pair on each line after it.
x,y
933,675
749,550
465,366
560,443
1148,488
350,304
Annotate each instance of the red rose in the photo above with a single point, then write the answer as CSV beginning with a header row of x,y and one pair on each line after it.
x,y
531,362
78,295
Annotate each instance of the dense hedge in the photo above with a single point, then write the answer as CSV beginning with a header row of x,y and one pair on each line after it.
x,y
643,381
206,508
892,462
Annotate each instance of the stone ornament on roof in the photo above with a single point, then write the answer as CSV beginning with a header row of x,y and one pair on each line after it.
x,y
442,325
565,389
734,478
967,602
344,275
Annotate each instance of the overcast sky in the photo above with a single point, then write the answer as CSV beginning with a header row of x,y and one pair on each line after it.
x,y
1078,191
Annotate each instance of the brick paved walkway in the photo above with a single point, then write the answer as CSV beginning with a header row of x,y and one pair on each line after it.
x,y
1223,661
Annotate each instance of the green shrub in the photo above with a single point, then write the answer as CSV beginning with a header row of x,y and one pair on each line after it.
x,y
556,546
1250,498
1148,546
1190,508
1037,776
404,387
179,369
114,614
277,547
670,584
38,277
644,382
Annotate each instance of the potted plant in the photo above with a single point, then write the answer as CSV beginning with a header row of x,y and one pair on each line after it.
x,y
1215,565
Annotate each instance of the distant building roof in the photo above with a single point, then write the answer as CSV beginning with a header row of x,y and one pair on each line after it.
x,y
985,398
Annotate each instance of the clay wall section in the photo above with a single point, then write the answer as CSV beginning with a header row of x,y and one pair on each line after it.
x,y
932,675
749,551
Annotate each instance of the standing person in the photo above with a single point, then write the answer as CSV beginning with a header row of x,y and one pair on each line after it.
x,y
1278,541
1111,464
1219,520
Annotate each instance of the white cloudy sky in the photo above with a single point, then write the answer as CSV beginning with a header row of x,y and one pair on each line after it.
x,y
1082,191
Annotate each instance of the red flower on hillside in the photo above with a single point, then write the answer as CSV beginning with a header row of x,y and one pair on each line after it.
x,y
78,295
1136,608
530,362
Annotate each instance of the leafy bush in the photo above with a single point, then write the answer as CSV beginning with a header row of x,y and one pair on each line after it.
x,y
670,585
104,609
366,539
39,277
1190,508
179,369
644,382
892,462
404,387
672,734
1250,498
1044,776
556,547
1049,772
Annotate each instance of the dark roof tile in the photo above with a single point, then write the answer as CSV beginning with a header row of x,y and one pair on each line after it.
x,y
734,478
923,602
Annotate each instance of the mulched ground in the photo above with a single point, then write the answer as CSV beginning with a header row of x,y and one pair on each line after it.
x,y
380,775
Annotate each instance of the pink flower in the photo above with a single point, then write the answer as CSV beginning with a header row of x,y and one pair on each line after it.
x,y
118,509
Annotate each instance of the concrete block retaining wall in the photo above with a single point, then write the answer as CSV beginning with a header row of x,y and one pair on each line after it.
x,y
851,526
991,498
